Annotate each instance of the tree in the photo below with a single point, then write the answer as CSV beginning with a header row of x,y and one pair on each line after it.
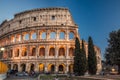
x,y
79,58
83,59
92,60
77,61
113,49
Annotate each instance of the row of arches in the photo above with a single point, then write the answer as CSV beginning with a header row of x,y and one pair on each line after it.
x,y
52,68
42,52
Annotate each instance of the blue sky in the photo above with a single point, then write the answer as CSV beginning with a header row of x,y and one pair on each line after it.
x,y
95,18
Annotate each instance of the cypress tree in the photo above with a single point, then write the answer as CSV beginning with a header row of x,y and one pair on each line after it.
x,y
76,67
92,61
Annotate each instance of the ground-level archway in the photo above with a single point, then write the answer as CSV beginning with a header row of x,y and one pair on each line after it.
x,y
15,67
51,68
32,67
71,68
23,67
41,68
61,68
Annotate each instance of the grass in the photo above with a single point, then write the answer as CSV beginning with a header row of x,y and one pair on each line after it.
x,y
62,77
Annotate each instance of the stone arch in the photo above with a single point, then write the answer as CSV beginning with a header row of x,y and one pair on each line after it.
x,y
18,37
41,67
71,68
26,36
61,51
42,51
32,67
62,35
52,51
15,67
71,51
9,66
17,52
33,35
24,51
61,68
51,68
33,52
43,35
52,35
11,53
23,67
71,35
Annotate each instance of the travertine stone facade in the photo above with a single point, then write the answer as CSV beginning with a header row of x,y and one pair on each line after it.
x,y
41,40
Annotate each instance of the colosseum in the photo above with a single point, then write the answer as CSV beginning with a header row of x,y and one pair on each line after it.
x,y
41,40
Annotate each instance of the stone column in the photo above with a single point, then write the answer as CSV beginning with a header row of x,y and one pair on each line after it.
x,y
37,51
46,51
56,51
36,67
13,53
67,35
67,51
38,35
19,67
28,51
27,67
67,68
56,68
57,35
46,70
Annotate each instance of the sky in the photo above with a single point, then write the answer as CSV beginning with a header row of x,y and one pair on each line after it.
x,y
95,18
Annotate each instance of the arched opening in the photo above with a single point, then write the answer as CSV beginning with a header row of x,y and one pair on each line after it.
x,y
23,67
32,67
41,68
61,52
26,36
43,35
71,35
10,54
24,52
52,35
51,68
33,36
15,67
17,53
18,37
71,52
33,51
42,52
62,35
71,68
52,52
61,68
9,66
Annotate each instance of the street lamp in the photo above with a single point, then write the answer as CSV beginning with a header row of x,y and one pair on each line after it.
x,y
1,52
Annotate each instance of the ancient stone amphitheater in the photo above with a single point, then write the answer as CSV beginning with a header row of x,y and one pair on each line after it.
x,y
41,40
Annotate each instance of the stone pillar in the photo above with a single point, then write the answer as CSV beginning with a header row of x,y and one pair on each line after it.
x,y
13,53
47,35
27,67
19,67
57,35
46,51
37,51
28,51
56,51
46,70
67,35
56,68
67,68
38,35
67,51
36,67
